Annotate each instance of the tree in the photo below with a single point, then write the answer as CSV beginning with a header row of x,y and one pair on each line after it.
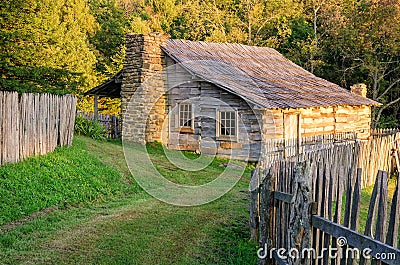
x,y
365,47
44,46
109,39
268,22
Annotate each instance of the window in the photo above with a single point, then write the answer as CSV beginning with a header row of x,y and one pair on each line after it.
x,y
185,115
227,124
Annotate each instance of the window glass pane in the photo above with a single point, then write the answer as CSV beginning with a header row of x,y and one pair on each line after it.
x,y
228,123
185,115
223,121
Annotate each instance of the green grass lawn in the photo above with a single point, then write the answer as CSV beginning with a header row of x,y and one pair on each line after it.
x,y
366,195
365,201
104,217
66,177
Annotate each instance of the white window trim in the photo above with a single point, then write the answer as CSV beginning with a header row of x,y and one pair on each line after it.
x,y
218,126
179,116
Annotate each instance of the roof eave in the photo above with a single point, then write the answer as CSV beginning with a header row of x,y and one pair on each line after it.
x,y
116,79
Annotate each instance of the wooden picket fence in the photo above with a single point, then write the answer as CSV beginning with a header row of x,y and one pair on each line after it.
x,y
374,154
378,153
383,132
297,203
301,209
112,123
278,149
34,124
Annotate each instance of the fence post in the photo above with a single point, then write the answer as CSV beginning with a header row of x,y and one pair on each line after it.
x,y
300,215
393,231
96,107
254,216
115,124
266,214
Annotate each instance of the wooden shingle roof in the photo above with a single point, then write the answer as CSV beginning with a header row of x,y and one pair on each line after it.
x,y
259,74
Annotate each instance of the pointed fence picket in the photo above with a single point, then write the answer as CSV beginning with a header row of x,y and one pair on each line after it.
x,y
34,124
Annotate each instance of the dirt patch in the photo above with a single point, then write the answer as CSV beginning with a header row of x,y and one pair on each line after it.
x,y
84,236
12,225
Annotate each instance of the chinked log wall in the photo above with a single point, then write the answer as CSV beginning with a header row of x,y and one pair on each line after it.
x,y
34,124
320,121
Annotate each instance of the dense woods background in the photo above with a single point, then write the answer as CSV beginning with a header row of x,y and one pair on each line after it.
x,y
70,46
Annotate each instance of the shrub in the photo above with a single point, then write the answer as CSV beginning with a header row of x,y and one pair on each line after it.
x,y
388,122
90,128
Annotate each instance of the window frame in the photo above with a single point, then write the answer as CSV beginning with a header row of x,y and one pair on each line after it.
x,y
191,115
231,137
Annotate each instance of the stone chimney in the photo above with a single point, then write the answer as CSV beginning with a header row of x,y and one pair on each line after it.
x,y
359,89
143,78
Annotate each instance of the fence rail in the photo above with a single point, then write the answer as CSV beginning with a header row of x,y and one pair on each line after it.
x,y
112,123
34,124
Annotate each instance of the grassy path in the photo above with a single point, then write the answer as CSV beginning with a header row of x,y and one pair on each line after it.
x,y
134,228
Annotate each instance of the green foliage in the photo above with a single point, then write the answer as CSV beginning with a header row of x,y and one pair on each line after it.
x,y
44,46
90,128
109,38
39,79
387,122
68,176
109,106
361,45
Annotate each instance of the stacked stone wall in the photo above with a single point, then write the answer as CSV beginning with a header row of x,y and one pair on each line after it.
x,y
143,88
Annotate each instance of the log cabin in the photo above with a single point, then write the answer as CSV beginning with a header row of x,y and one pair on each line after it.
x,y
227,99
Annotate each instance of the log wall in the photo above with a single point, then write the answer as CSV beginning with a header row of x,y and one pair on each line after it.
x,y
256,126
320,121
207,100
